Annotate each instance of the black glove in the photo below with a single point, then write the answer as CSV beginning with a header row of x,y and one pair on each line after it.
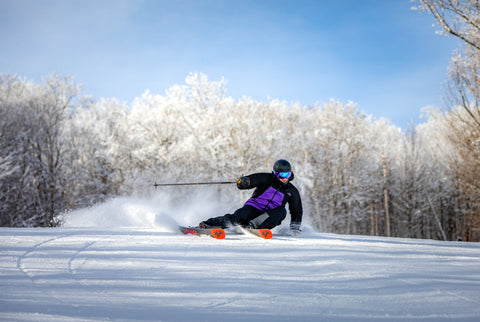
x,y
243,183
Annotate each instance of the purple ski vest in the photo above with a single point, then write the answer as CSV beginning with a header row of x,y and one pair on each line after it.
x,y
268,200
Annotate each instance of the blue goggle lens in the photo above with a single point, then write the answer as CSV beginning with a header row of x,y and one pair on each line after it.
x,y
283,174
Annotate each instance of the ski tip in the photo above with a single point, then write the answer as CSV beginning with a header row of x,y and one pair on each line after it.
x,y
218,233
265,233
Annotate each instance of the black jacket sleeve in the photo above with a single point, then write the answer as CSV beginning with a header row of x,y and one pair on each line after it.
x,y
296,209
254,180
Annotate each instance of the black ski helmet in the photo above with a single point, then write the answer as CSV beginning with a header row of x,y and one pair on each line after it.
x,y
282,166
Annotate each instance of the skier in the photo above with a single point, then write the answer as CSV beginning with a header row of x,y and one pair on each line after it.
x,y
266,207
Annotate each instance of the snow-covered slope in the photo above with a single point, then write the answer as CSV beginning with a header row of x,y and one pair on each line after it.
x,y
124,262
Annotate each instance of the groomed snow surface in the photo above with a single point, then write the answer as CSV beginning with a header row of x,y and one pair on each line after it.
x,y
125,261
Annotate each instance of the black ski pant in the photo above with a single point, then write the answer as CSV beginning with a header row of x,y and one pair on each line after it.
x,y
247,213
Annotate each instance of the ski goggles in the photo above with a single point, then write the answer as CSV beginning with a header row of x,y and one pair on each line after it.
x,y
283,175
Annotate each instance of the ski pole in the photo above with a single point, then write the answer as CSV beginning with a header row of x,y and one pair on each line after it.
x,y
192,183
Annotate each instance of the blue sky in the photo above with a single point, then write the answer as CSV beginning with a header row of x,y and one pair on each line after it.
x,y
377,53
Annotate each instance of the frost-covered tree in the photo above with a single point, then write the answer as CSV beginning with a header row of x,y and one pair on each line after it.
x,y
89,172
441,195
461,19
336,156
31,136
386,146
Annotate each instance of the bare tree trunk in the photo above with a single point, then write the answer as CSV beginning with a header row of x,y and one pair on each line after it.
x,y
385,193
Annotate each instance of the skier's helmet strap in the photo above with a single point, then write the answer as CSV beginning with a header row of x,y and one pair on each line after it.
x,y
282,166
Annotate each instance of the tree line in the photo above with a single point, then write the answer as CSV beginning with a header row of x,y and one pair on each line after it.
x,y
62,151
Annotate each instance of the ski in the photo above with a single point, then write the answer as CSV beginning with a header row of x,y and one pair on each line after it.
x,y
217,233
263,233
